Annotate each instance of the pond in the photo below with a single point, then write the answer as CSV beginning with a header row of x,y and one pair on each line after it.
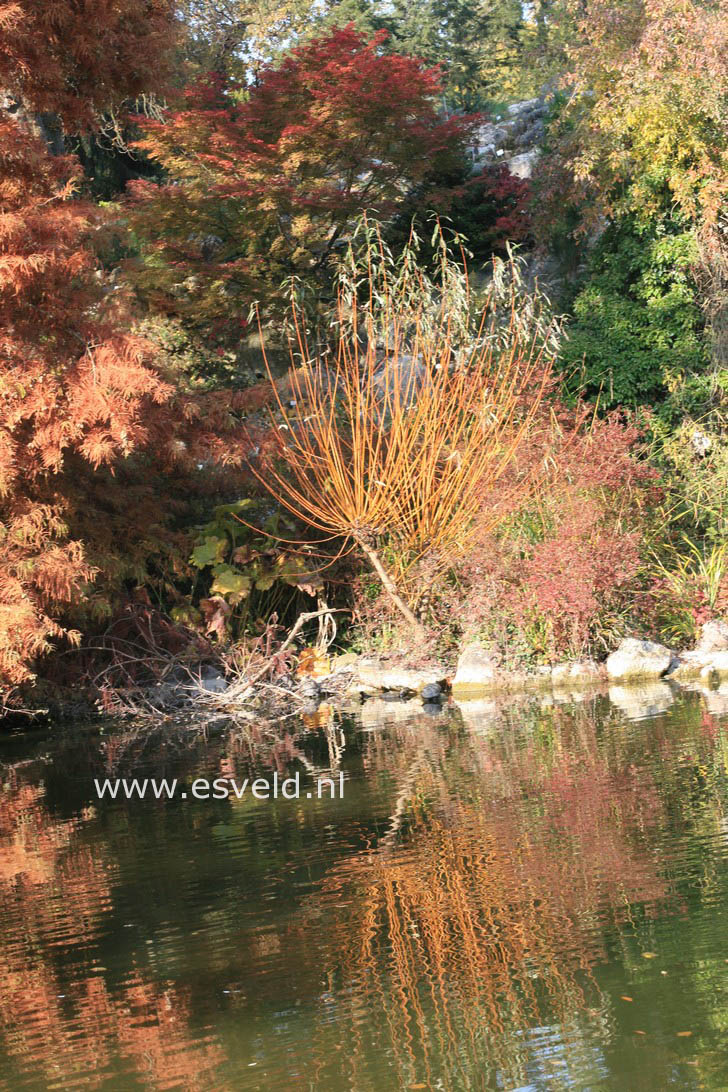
x,y
526,895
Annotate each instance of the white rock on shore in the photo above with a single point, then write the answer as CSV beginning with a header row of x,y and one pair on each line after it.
x,y
636,659
477,670
373,675
579,673
713,637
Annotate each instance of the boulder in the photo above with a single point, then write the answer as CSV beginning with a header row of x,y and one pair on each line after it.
x,y
713,637
522,165
346,662
374,675
700,665
688,665
309,688
579,673
523,107
477,670
491,134
636,659
715,663
431,692
212,681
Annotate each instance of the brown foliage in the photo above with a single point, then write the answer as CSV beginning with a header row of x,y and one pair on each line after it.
x,y
76,59
70,383
60,887
77,392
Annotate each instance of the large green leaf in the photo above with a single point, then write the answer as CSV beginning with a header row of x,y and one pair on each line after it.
x,y
210,551
230,583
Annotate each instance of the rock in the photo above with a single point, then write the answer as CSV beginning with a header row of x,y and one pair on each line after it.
x,y
522,165
715,663
636,659
212,681
530,137
347,661
688,665
525,680
639,702
699,664
309,688
520,124
477,670
517,108
374,674
713,637
490,134
210,246
579,673
431,692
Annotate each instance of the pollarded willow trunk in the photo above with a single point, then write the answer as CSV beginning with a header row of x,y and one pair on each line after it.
x,y
390,587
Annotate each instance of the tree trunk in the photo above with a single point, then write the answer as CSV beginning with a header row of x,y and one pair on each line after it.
x,y
389,586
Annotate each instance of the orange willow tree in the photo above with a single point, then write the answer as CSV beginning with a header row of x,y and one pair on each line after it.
x,y
394,435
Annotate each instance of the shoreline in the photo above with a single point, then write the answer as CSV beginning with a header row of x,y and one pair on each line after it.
x,y
639,673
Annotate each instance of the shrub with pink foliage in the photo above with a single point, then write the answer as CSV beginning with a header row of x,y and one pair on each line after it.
x,y
562,573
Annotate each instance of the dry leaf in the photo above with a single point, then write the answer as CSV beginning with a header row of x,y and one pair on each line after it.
x,y
313,663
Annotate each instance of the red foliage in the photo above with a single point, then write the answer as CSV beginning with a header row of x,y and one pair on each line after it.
x,y
582,570
564,569
77,396
575,573
74,57
489,209
70,383
266,179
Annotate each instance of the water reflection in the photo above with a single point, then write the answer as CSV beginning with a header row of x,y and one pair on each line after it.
x,y
482,920
524,897
61,1024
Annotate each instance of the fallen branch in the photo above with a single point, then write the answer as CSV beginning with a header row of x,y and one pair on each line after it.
x,y
308,616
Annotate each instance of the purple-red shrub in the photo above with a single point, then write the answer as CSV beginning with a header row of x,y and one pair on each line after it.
x,y
560,574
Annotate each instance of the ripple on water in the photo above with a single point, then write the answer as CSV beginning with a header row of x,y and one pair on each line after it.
x,y
534,898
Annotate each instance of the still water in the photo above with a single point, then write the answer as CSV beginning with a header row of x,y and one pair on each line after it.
x,y
526,896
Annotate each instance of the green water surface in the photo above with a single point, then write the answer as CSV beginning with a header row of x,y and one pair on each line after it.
x,y
522,896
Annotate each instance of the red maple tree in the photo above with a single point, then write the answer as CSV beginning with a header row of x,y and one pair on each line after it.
x,y
264,181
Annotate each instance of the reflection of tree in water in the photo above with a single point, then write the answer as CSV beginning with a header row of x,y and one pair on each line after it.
x,y
69,1028
476,921
502,867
